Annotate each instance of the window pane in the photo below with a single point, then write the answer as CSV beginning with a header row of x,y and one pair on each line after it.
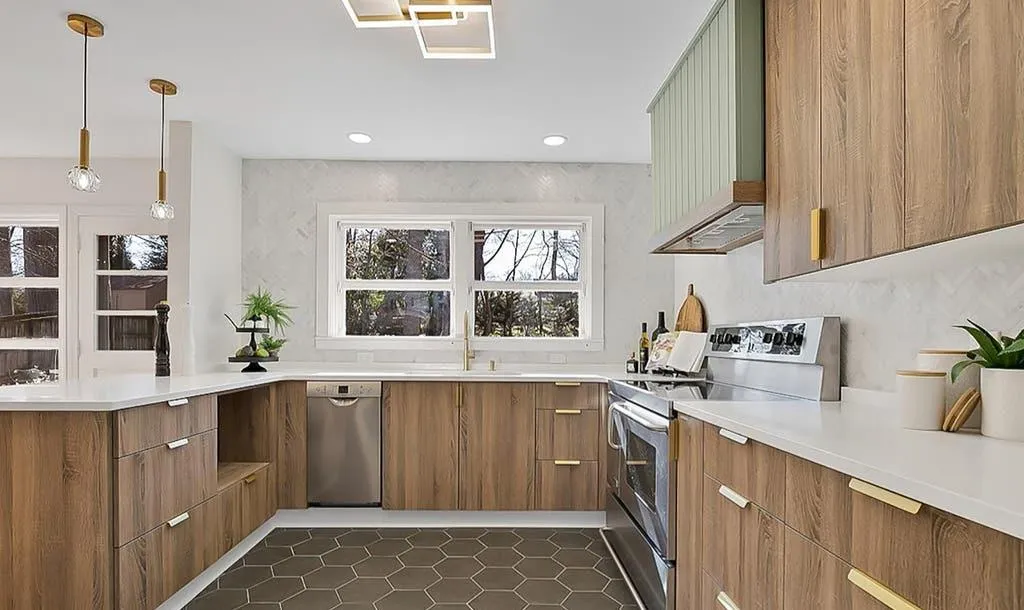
x,y
29,313
511,313
132,252
130,292
28,251
397,254
523,255
131,333
28,366
398,313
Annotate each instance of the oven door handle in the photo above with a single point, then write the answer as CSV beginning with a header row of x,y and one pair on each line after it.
x,y
645,421
611,426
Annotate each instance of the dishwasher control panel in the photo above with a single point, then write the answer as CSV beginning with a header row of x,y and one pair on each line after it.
x,y
342,389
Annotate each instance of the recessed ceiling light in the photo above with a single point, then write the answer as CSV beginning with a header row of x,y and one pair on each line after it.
x,y
360,138
555,140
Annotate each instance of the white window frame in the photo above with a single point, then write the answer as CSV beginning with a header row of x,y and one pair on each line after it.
x,y
461,217
43,216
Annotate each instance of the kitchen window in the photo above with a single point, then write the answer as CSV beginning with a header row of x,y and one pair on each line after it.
x,y
410,276
31,294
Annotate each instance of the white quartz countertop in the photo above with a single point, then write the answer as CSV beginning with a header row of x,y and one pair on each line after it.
x,y
965,474
115,392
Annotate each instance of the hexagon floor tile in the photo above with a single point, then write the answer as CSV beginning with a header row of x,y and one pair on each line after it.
x,y
421,569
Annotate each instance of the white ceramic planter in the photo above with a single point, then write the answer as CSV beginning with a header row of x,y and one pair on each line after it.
x,y
1002,394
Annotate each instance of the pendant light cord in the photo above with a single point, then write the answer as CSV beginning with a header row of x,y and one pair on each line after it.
x,y
85,79
163,97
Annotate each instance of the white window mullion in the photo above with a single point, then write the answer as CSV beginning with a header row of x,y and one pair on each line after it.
x,y
398,285
124,312
132,272
30,282
530,286
29,344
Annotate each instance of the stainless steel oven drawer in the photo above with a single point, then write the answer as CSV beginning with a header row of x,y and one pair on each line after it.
x,y
651,576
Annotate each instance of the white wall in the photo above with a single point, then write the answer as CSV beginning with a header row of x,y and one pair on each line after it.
x,y
279,234
885,322
44,181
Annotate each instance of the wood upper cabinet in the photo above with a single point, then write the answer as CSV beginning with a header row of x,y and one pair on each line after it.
x,y
421,446
497,446
965,159
793,128
862,128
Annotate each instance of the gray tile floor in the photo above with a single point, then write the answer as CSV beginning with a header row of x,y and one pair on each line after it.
x,y
421,569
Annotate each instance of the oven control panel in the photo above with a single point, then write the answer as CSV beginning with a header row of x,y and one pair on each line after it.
x,y
782,339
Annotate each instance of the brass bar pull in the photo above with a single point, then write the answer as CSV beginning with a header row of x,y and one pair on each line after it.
x,y
817,234
175,522
879,591
177,402
567,462
568,411
726,602
568,384
249,480
886,496
636,462
733,497
178,443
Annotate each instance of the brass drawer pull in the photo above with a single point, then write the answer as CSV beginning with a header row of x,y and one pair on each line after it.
x,y
175,522
249,480
178,402
181,442
726,602
568,411
879,591
886,496
567,462
732,436
636,462
568,384
733,497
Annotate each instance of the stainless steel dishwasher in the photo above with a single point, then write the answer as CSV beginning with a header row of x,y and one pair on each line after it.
x,y
344,441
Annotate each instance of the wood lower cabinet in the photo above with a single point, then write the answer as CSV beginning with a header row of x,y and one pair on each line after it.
x,y
965,168
568,395
229,509
793,135
815,578
290,460
862,130
142,428
819,505
754,470
421,446
689,507
567,485
497,446
569,434
743,549
259,499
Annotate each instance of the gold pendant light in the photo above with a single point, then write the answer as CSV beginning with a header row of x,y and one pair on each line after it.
x,y
161,210
82,177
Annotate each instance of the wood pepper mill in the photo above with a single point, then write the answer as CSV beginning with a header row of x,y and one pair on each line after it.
x,y
162,344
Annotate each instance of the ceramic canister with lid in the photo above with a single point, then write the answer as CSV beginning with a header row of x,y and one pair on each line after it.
x,y
922,399
943,360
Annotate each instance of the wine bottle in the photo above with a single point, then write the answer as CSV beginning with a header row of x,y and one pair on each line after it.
x,y
632,365
661,327
645,348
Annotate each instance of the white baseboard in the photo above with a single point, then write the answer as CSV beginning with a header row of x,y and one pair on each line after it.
x,y
376,517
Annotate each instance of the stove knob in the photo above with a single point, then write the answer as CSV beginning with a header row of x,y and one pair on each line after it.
x,y
791,338
767,337
735,339
778,339
798,339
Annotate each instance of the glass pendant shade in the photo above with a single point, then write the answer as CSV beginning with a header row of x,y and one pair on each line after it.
x,y
83,178
161,210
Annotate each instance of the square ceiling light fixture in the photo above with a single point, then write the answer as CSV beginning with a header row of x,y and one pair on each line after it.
x,y
472,38
445,29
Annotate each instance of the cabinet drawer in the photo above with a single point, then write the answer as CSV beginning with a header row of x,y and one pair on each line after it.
x,y
571,434
742,548
146,427
229,510
567,485
258,499
818,505
159,483
935,560
754,470
569,395
153,567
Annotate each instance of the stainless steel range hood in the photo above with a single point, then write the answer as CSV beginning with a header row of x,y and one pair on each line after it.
x,y
730,219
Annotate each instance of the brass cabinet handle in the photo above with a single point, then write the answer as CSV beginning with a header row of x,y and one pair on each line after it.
x,y
567,462
568,411
568,384
249,480
886,496
733,497
726,602
879,591
175,522
181,442
732,436
817,234
177,402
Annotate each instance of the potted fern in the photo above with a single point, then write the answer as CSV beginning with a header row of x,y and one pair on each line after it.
x,y
1002,381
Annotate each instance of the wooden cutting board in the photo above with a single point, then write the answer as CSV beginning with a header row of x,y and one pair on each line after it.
x,y
691,314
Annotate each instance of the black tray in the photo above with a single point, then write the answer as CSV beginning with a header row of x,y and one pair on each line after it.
x,y
254,362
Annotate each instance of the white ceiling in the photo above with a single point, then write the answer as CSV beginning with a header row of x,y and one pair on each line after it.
x,y
290,78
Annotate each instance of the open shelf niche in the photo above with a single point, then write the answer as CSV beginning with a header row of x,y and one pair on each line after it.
x,y
246,435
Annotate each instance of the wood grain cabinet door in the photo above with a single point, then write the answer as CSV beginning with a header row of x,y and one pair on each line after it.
x,y
497,446
793,135
965,165
421,446
259,499
862,128
567,485
689,508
